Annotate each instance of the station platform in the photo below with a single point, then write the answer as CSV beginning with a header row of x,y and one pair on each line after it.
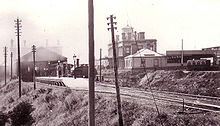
x,y
65,81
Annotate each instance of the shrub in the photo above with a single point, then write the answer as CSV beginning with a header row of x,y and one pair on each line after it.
x,y
3,118
10,100
21,114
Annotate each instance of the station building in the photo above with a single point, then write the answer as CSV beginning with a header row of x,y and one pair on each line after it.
x,y
129,44
48,63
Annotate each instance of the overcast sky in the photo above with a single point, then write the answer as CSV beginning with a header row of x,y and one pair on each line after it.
x,y
168,21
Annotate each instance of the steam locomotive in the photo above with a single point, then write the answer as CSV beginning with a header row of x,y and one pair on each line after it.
x,y
82,71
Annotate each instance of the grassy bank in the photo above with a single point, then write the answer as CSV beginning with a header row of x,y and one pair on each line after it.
x,y
62,106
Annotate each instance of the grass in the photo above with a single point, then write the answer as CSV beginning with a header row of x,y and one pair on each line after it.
x,y
63,106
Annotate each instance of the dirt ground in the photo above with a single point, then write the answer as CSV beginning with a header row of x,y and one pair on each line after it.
x,y
195,82
55,106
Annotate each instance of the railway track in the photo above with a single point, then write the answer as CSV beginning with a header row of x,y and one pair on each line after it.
x,y
204,103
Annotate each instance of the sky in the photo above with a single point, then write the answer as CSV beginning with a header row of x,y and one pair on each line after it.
x,y
168,21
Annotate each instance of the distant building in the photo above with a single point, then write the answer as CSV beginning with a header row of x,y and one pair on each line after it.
x,y
174,56
145,59
104,63
129,44
26,48
48,63
212,48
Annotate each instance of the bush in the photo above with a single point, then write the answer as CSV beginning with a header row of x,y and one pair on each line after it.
x,y
21,114
3,119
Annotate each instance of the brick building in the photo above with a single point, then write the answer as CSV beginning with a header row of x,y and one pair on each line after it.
x,y
129,44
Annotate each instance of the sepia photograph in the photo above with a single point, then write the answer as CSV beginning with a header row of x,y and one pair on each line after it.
x,y
109,63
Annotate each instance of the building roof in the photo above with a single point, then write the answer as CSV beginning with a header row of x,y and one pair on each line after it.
x,y
43,54
144,53
190,52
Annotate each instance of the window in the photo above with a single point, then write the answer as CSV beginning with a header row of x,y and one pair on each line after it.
x,y
142,63
140,46
128,50
156,62
120,52
173,59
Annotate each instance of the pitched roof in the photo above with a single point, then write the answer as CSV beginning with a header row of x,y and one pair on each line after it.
x,y
43,54
144,53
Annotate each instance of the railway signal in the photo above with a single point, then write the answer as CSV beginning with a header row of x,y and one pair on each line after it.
x,y
18,26
112,23
34,50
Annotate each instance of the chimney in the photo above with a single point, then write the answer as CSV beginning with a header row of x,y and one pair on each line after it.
x,y
141,35
123,36
12,42
46,42
58,42
77,62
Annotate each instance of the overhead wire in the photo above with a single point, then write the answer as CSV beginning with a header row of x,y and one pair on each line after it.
x,y
145,69
143,64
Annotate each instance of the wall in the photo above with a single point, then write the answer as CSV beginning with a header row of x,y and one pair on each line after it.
x,y
150,62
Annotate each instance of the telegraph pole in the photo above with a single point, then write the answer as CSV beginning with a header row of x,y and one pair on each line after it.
x,y
5,53
100,65
120,120
34,50
182,54
91,64
11,65
18,26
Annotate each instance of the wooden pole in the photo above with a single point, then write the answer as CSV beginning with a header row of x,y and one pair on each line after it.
x,y
5,50
120,119
100,65
91,65
19,63
182,54
11,65
34,50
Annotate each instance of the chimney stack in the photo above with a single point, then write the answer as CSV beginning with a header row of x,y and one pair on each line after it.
x,y
12,42
46,42
141,35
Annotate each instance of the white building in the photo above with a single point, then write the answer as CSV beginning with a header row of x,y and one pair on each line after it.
x,y
145,58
